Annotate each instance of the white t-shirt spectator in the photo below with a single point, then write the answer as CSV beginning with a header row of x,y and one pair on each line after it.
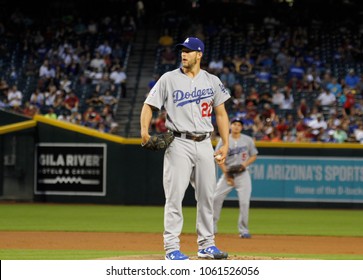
x,y
118,77
15,97
326,98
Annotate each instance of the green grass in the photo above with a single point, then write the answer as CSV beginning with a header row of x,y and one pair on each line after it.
x,y
319,222
103,218
106,218
93,218
28,254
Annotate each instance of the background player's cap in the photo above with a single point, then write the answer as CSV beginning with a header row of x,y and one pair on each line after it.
x,y
192,43
236,120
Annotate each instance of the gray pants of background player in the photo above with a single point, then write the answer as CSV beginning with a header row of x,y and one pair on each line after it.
x,y
243,187
186,161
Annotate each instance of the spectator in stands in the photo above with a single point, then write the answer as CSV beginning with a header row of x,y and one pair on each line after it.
x,y
227,77
244,67
51,114
58,103
97,62
277,96
71,102
37,99
92,27
166,40
326,99
45,71
253,97
65,84
283,61
358,108
15,97
118,53
107,116
327,79
29,109
105,84
301,130
340,135
275,135
351,79
263,76
268,113
318,126
72,69
30,68
334,87
91,118
348,105
4,86
238,96
168,56
257,128
288,102
4,103
119,79
64,116
289,136
358,133
94,100
215,65
95,75
108,99
302,109
264,60
104,48
296,70
295,84
76,118
265,98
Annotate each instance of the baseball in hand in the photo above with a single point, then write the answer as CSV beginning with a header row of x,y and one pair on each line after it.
x,y
218,157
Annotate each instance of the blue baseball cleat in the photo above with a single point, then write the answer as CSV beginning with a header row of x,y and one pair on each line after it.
x,y
246,235
212,252
176,256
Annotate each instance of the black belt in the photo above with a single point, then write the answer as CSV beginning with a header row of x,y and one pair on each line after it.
x,y
190,136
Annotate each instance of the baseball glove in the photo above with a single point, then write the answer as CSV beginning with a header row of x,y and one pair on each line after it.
x,y
159,142
235,169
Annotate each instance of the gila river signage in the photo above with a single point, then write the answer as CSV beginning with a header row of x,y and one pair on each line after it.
x,y
70,169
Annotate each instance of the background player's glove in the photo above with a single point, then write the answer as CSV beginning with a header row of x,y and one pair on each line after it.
x,y
235,169
159,142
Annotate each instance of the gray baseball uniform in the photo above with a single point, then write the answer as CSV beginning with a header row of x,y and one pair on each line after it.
x,y
189,103
239,151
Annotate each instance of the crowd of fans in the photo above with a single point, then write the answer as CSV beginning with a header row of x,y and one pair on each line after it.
x,y
71,69
288,83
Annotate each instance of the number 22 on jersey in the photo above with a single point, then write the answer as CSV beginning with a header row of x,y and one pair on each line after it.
x,y
206,109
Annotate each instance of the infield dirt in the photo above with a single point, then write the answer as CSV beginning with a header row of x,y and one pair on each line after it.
x,y
148,242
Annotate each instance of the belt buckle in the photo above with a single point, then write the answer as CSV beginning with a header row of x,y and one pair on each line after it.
x,y
198,138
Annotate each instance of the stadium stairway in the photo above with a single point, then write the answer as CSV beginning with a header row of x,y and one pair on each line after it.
x,y
140,70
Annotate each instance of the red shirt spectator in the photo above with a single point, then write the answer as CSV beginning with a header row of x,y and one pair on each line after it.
x,y
71,102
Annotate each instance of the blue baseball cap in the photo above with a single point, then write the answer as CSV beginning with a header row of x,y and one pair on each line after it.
x,y
237,120
192,43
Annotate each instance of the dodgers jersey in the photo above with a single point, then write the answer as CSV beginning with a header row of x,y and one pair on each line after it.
x,y
188,101
239,149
